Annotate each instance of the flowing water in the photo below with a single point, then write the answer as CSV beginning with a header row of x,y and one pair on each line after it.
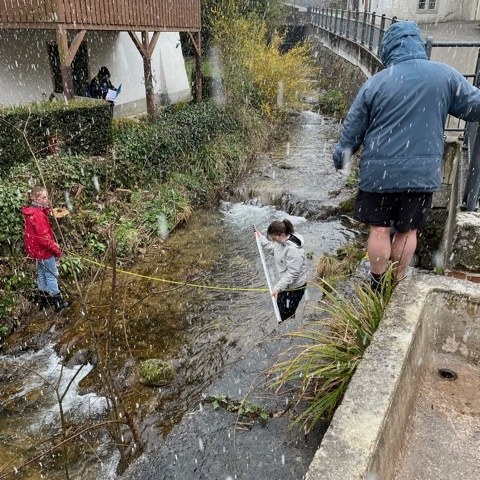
x,y
197,300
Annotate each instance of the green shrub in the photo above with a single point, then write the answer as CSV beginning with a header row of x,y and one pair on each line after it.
x,y
11,224
70,266
255,72
82,126
127,238
333,103
61,172
152,152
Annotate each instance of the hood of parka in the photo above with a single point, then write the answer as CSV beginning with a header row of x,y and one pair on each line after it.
x,y
296,239
402,41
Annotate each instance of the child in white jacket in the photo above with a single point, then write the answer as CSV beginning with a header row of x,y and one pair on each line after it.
x,y
286,246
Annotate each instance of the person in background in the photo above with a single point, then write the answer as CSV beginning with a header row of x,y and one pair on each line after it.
x,y
100,84
39,243
286,246
399,116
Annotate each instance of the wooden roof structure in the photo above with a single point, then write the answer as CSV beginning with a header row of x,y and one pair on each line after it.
x,y
124,15
149,17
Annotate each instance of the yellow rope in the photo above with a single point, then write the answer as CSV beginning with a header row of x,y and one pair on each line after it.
x,y
174,282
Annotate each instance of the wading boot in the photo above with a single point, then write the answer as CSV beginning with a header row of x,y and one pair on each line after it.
x,y
42,299
377,282
59,303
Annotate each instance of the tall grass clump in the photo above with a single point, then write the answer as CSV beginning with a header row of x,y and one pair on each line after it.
x,y
322,365
255,72
333,268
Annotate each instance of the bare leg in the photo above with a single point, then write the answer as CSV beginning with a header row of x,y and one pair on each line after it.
x,y
403,248
379,249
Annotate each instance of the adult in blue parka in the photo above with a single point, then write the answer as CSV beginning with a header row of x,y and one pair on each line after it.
x,y
399,117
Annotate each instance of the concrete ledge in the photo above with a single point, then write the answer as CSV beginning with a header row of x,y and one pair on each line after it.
x,y
367,430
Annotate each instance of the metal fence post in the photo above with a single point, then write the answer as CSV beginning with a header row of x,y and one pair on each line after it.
x,y
364,27
476,80
349,19
381,32
372,31
428,47
355,30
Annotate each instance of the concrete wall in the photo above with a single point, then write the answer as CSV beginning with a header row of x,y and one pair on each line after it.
x,y
366,434
357,55
26,76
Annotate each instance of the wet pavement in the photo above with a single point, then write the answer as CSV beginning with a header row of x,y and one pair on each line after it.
x,y
464,58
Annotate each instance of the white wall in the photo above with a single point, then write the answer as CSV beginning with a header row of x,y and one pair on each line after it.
x,y
447,10
173,82
25,71
24,66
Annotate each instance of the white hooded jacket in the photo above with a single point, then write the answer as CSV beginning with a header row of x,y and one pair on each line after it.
x,y
290,261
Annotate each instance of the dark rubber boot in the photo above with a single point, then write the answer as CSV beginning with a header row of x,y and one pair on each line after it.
x,y
377,282
59,303
42,299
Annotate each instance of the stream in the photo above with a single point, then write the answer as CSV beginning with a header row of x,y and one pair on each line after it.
x,y
213,314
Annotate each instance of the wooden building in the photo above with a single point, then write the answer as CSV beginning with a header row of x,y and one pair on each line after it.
x,y
72,22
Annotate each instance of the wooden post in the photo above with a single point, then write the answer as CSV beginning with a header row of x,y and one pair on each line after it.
x,y
147,71
67,54
196,42
66,68
146,48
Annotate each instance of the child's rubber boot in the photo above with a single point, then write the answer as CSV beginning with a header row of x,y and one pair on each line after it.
x,y
43,299
59,303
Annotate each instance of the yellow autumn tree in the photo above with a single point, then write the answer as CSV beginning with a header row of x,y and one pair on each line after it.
x,y
254,70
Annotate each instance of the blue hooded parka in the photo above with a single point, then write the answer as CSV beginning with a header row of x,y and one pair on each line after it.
x,y
399,116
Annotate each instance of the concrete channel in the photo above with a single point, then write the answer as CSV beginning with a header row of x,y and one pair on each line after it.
x,y
411,409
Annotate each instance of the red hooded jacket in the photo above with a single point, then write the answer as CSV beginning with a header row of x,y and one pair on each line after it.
x,y
39,240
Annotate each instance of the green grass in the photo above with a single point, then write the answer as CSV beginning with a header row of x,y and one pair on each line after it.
x,y
322,366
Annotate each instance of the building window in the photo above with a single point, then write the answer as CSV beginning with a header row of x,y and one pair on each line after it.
x,y
426,5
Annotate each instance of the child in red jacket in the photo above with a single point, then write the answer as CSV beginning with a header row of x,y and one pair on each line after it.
x,y
40,245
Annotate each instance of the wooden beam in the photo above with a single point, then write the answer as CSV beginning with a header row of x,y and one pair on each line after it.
x,y
67,53
137,43
146,46
73,49
198,66
153,43
196,46
65,65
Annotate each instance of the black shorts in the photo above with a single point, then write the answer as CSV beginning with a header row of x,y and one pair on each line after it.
x,y
288,301
404,211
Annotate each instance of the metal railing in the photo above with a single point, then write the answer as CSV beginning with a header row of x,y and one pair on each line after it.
x,y
367,29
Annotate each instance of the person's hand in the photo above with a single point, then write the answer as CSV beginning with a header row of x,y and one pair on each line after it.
x,y
275,293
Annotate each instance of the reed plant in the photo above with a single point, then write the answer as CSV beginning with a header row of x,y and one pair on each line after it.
x,y
331,269
321,366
